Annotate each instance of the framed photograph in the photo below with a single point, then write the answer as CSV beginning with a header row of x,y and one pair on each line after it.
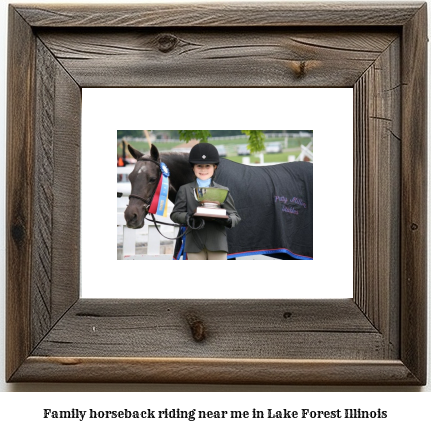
x,y
264,108
377,337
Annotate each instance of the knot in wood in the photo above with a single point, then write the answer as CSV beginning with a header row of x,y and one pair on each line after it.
x,y
300,69
18,233
197,328
167,42
414,226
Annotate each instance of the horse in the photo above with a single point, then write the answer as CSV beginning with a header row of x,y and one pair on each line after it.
x,y
275,202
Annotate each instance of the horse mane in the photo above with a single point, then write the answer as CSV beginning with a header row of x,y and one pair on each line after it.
x,y
175,156
181,172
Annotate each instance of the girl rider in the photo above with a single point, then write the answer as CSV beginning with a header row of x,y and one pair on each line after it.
x,y
209,242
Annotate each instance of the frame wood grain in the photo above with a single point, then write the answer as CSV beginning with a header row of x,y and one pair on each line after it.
x,y
378,337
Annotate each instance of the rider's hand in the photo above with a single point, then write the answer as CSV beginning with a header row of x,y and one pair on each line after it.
x,y
224,221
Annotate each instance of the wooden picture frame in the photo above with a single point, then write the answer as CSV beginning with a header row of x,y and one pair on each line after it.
x,y
378,337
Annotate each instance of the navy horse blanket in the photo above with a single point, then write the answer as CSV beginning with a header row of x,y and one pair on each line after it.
x,y
275,204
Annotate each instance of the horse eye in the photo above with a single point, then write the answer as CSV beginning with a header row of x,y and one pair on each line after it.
x,y
152,180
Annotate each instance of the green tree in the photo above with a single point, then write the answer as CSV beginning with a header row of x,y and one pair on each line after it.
x,y
200,135
256,138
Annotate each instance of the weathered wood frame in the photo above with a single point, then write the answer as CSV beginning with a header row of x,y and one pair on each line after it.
x,y
378,337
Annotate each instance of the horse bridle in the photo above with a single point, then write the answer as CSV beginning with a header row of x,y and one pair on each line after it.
x,y
148,201
148,204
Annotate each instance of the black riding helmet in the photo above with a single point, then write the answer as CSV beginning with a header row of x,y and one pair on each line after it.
x,y
204,153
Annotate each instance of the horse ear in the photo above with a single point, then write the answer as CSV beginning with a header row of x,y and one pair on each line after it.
x,y
135,153
155,153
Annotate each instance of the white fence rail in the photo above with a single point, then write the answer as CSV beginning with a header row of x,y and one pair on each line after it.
x,y
145,243
306,151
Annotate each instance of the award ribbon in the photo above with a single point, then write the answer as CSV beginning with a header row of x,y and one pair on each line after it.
x,y
159,204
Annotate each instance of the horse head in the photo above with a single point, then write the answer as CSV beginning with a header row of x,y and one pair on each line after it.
x,y
144,179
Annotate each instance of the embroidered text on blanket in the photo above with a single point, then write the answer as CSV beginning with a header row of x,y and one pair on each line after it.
x,y
289,210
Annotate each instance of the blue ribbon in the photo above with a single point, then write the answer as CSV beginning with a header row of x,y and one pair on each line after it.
x,y
162,206
164,169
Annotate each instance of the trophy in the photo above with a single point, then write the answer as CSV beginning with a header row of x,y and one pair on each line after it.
x,y
210,199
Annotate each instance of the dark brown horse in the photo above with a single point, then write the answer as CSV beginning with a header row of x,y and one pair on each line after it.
x,y
275,202
144,179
